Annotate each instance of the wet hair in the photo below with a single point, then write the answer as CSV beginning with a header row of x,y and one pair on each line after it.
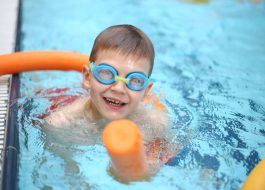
x,y
127,40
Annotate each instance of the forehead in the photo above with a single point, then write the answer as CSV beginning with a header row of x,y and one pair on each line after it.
x,y
123,63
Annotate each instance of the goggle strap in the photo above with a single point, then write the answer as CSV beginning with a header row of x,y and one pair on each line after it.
x,y
152,79
90,65
121,79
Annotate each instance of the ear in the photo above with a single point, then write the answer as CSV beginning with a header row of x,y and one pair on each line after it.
x,y
148,89
86,77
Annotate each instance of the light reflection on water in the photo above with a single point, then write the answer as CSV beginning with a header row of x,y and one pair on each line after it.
x,y
209,71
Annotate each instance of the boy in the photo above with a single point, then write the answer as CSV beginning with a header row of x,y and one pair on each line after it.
x,y
118,81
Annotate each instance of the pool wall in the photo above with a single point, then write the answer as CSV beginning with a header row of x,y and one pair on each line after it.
x,y
9,45
9,178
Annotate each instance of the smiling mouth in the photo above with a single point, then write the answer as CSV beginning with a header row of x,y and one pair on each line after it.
x,y
114,103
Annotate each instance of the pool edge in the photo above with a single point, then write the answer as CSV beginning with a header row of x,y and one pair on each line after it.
x,y
10,39
9,175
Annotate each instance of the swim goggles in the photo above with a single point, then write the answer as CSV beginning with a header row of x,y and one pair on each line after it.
x,y
106,74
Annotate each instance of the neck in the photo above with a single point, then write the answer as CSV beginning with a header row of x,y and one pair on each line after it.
x,y
92,113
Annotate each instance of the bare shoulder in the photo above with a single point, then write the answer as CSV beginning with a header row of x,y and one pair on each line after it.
x,y
66,114
153,122
159,118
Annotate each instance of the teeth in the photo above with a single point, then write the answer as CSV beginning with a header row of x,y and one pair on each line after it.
x,y
113,102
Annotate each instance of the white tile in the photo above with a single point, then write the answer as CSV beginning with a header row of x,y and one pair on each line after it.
x,y
8,24
8,28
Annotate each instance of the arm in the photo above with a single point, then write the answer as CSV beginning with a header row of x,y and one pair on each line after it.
x,y
67,114
162,146
160,150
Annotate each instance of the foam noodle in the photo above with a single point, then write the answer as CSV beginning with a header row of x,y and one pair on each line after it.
x,y
41,60
256,179
154,100
123,141
196,1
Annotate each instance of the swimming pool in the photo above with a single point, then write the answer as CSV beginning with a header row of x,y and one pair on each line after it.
x,y
209,71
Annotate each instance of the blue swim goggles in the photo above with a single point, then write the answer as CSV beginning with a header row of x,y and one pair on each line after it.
x,y
106,74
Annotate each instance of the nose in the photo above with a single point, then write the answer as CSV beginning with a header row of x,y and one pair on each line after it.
x,y
118,86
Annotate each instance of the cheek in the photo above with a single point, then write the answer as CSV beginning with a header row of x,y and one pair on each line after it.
x,y
97,87
137,96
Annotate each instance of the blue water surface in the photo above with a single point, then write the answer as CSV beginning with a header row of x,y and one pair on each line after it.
x,y
209,71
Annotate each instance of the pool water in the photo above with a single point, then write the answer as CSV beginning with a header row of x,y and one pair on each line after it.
x,y
209,71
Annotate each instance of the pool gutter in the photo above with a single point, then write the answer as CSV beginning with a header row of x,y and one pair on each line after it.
x,y
9,21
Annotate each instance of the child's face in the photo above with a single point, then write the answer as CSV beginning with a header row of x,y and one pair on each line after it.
x,y
116,101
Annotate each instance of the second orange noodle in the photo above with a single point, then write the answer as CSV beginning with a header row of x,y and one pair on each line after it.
x,y
123,141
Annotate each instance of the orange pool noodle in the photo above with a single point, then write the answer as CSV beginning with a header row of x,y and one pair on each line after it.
x,y
154,100
41,60
196,1
256,178
123,142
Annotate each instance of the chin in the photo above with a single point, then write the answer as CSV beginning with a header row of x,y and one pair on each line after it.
x,y
114,117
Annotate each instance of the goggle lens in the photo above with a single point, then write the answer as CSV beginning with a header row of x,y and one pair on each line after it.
x,y
105,74
136,81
